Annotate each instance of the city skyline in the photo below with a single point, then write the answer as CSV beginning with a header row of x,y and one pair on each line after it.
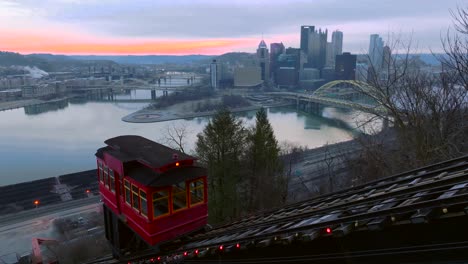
x,y
181,27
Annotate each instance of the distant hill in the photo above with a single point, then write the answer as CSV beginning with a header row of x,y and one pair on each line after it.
x,y
46,62
430,59
235,58
51,57
12,59
146,59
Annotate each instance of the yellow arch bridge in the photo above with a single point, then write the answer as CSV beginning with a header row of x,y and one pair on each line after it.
x,y
340,93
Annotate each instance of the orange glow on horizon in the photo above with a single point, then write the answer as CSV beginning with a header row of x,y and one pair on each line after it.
x,y
32,42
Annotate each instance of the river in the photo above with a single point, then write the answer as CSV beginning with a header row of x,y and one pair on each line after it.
x,y
50,140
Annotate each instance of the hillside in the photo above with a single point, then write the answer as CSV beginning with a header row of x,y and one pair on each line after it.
x,y
234,58
47,62
146,59
12,59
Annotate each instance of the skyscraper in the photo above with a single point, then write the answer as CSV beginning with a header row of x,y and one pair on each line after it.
x,y
317,51
337,42
386,63
375,52
276,49
337,45
386,57
263,59
330,57
305,33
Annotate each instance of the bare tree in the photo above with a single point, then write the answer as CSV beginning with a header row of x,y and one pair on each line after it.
x,y
176,136
427,111
455,45
291,154
329,161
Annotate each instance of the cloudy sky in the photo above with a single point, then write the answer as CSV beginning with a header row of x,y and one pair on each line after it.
x,y
210,27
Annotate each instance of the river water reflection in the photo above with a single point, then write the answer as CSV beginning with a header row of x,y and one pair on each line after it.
x,y
54,139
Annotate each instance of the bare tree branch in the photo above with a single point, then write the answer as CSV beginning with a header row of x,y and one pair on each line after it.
x,y
176,136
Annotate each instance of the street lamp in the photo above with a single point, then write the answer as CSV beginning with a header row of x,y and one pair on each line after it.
x,y
36,203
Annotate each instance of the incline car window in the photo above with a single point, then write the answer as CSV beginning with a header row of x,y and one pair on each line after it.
x,y
160,203
144,204
196,192
127,192
179,196
112,180
106,180
100,171
135,197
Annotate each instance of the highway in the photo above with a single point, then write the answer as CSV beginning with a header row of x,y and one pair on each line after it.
x,y
46,210
17,230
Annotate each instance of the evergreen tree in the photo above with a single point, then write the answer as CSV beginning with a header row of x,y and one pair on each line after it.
x,y
220,147
264,165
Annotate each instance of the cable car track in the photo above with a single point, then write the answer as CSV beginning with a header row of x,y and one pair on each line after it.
x,y
434,191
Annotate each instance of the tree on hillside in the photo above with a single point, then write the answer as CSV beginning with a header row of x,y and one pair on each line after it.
x,y
264,167
291,154
220,147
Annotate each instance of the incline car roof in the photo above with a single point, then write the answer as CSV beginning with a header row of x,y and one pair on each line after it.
x,y
144,150
148,177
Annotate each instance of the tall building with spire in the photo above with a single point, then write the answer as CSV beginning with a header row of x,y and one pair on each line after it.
x,y
263,60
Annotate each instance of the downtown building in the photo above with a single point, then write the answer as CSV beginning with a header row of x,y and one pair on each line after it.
x,y
276,49
263,61
314,46
336,45
345,66
288,66
376,49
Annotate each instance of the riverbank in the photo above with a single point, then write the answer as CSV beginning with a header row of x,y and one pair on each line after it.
x,y
175,113
8,105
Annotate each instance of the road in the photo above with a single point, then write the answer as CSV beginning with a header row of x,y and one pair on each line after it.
x,y
17,230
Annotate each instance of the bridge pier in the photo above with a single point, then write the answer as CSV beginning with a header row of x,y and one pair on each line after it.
x,y
315,108
110,95
308,106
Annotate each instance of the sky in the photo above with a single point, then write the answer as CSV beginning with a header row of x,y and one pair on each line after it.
x,y
178,27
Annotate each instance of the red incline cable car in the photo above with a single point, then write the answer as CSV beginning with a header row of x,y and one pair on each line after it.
x,y
150,192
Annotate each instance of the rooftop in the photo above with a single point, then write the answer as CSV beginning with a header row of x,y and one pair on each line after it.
x,y
155,155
